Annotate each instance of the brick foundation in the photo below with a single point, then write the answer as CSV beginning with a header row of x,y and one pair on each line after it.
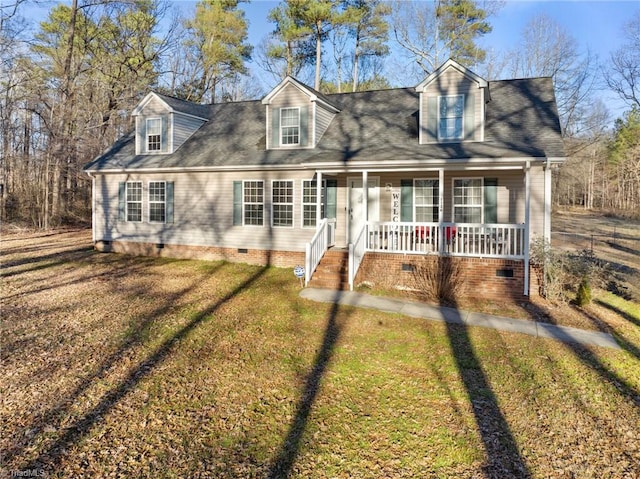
x,y
283,259
489,278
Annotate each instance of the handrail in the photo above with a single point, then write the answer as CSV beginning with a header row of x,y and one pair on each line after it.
x,y
317,247
357,249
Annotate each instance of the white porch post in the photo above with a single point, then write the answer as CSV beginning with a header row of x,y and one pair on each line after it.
x,y
441,209
527,204
318,197
365,194
547,202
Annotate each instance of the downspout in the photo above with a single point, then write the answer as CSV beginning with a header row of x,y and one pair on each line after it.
x,y
441,210
547,201
527,204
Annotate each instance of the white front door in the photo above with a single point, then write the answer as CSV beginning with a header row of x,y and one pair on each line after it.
x,y
355,205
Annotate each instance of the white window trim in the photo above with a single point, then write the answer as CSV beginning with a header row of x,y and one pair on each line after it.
x,y
461,137
415,203
288,145
146,136
453,204
126,202
244,203
293,202
302,203
156,202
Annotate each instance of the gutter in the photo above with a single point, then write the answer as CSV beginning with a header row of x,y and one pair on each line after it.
x,y
333,167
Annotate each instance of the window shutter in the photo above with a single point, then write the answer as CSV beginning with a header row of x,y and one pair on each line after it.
x,y
169,201
406,200
141,137
164,138
469,117
490,200
275,127
332,198
304,126
122,201
237,203
431,132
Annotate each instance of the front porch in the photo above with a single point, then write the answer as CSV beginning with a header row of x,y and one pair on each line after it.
x,y
491,255
468,212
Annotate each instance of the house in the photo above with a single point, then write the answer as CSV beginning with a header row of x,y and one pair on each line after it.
x,y
457,166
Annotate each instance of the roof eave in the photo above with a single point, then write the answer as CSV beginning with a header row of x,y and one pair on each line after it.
x,y
482,83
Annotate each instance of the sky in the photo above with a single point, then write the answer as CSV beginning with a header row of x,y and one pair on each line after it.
x,y
596,25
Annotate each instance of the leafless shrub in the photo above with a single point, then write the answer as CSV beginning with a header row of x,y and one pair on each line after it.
x,y
438,279
561,273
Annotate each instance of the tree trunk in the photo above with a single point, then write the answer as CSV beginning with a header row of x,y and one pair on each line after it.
x,y
318,55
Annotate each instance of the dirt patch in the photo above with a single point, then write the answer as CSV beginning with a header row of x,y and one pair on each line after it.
x,y
613,240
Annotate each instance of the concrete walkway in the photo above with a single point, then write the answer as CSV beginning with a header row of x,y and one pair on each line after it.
x,y
451,315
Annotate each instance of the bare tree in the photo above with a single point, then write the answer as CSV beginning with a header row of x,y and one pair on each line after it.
x,y
546,49
432,32
623,73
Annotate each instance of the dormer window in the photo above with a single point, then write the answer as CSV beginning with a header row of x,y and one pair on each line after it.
x,y
154,134
451,111
290,126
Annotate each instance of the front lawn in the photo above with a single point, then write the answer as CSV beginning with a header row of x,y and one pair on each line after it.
x,y
117,366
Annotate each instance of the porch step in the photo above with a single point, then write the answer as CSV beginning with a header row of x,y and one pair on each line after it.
x,y
332,272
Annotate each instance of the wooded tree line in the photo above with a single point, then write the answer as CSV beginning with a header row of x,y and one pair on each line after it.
x,y
67,90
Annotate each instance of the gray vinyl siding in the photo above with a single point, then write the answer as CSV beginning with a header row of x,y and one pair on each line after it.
x,y
176,127
203,207
183,127
323,119
290,96
536,219
452,82
154,107
203,212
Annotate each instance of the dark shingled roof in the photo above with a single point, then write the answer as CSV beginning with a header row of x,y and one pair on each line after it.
x,y
521,122
184,106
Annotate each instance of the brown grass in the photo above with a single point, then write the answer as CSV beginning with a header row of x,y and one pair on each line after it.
x,y
115,366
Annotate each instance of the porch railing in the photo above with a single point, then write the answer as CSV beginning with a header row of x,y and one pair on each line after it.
x,y
324,237
456,239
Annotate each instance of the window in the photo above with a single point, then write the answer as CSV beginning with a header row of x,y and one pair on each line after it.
x,y
467,200
451,110
289,126
134,200
282,199
154,134
157,201
309,201
253,203
426,200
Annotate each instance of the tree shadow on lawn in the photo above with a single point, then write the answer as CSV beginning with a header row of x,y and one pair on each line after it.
x,y
134,335
503,457
589,358
619,312
290,447
51,457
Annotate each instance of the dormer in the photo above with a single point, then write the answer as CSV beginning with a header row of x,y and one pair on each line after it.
x,y
452,105
297,115
164,123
